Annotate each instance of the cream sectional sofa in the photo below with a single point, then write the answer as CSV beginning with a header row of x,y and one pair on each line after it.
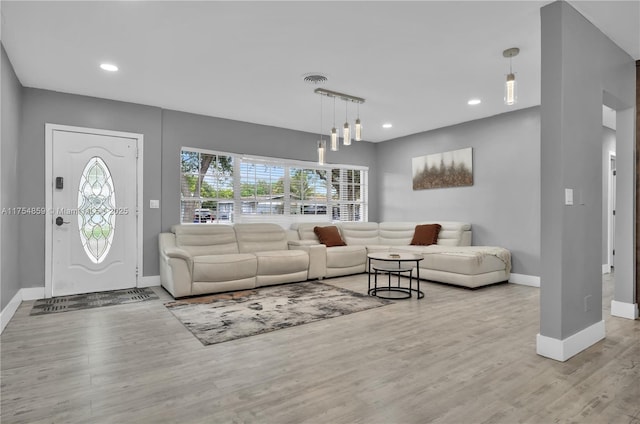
x,y
205,258
453,260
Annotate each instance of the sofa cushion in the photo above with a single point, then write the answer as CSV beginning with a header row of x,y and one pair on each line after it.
x,y
425,235
218,268
260,237
205,239
359,233
279,262
346,256
396,233
329,236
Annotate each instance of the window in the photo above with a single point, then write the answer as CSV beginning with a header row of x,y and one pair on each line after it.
x,y
221,187
206,187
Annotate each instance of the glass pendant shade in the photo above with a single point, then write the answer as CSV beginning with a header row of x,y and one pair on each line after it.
x,y
322,149
358,128
334,139
510,90
346,135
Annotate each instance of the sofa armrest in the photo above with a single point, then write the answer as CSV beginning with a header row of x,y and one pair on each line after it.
x,y
176,266
317,256
176,252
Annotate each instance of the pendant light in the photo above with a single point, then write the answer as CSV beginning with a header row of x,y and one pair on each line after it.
x,y
510,86
322,145
358,126
322,150
334,132
346,133
346,129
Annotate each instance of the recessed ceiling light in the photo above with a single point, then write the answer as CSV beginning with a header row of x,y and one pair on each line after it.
x,y
474,102
387,125
108,67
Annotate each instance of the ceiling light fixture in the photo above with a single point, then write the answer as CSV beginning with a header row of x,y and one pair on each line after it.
x,y
322,145
334,132
387,125
510,87
358,126
346,130
346,133
474,102
108,67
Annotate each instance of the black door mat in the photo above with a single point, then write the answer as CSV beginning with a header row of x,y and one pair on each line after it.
x,y
91,300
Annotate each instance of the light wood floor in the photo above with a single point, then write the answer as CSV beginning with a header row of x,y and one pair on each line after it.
x,y
457,356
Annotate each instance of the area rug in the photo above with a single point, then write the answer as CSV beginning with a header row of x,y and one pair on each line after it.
x,y
91,300
229,316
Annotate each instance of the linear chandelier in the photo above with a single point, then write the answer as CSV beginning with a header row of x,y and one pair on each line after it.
x,y
346,131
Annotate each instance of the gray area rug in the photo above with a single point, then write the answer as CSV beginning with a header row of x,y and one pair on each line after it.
x,y
91,300
229,316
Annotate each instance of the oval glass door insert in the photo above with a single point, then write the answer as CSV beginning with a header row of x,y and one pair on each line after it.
x,y
96,209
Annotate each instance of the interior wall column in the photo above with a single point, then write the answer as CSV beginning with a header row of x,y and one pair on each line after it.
x,y
637,240
581,70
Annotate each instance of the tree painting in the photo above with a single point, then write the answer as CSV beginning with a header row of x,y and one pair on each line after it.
x,y
447,169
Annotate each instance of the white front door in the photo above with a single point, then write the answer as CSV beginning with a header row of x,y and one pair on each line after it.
x,y
93,211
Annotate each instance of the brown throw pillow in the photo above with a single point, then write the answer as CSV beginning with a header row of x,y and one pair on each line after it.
x,y
329,236
426,234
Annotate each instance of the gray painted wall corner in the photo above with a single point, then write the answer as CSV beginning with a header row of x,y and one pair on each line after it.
x,y
11,116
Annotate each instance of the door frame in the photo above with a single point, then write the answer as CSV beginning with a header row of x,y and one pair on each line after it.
x,y
48,184
610,208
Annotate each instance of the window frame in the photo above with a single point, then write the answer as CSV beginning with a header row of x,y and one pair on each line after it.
x,y
340,204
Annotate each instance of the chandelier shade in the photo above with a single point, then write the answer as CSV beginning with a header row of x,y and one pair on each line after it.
x,y
510,85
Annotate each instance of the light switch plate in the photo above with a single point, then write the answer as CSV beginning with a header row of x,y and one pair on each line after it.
x,y
154,204
568,196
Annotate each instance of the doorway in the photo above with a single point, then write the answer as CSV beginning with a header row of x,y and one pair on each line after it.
x,y
611,214
93,227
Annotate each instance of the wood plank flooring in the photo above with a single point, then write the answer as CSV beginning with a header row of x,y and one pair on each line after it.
x,y
457,356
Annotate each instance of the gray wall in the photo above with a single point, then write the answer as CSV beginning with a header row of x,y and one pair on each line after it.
x,y
11,120
165,132
608,145
41,107
503,205
578,63
184,129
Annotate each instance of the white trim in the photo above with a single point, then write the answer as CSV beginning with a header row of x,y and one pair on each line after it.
x,y
611,205
561,350
606,268
48,184
624,310
9,310
32,293
149,281
525,280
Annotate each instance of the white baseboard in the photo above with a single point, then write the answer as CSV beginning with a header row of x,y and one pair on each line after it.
x,y
606,268
29,293
624,310
32,293
9,310
149,281
525,280
561,350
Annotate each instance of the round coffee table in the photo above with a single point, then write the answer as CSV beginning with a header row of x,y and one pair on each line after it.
x,y
393,263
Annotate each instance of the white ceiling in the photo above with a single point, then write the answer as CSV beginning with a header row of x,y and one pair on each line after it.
x,y
416,63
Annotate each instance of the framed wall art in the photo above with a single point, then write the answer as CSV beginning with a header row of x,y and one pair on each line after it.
x,y
446,169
